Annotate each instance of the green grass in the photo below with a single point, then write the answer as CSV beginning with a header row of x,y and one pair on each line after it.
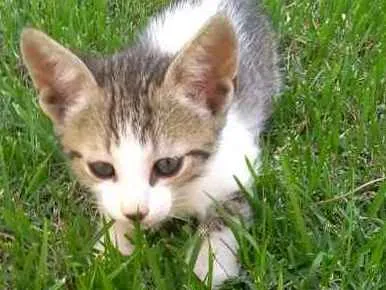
x,y
320,198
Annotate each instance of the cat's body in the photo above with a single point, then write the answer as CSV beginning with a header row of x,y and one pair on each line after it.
x,y
159,130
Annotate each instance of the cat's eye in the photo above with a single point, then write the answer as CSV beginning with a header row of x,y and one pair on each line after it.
x,y
102,170
168,167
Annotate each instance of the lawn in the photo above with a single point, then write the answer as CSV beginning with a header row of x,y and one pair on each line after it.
x,y
319,200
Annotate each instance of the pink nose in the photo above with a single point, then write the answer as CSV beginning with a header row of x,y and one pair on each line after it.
x,y
139,215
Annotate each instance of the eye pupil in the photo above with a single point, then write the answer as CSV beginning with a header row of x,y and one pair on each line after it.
x,y
167,167
102,170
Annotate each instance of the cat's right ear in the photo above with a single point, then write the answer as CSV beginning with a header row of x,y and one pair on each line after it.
x,y
63,81
206,68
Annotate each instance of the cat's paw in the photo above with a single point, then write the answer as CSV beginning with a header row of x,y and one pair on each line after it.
x,y
223,246
118,235
123,246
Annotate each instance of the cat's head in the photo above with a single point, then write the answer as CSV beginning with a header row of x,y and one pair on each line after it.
x,y
138,126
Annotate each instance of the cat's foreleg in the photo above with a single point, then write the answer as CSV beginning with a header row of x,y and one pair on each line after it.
x,y
220,242
118,234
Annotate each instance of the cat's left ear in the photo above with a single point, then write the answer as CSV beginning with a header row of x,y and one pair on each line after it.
x,y
206,68
63,81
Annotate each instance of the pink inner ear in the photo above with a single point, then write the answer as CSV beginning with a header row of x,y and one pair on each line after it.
x,y
213,93
203,82
59,76
45,71
57,93
207,67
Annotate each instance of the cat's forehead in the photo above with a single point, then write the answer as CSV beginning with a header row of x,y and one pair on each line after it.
x,y
130,83
158,119
164,127
150,112
135,69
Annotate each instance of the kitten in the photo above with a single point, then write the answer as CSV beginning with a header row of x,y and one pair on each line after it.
x,y
160,129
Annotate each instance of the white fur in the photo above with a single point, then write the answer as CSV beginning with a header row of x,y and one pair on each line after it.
x,y
176,27
132,191
218,182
